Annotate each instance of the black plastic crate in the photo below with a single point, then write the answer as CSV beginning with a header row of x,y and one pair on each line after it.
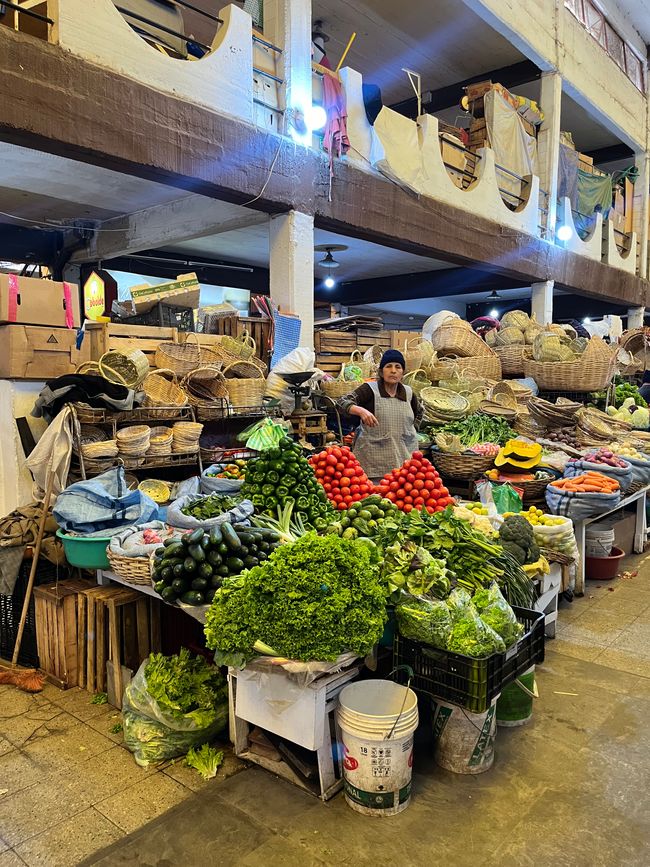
x,y
161,316
464,681
11,608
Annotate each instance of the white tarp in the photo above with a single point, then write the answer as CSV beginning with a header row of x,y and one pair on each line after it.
x,y
513,148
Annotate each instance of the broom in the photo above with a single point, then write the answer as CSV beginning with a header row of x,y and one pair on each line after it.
x,y
29,679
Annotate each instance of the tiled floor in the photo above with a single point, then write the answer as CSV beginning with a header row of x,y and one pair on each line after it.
x,y
67,785
578,772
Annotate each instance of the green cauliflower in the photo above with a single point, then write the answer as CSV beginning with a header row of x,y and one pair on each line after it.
x,y
516,536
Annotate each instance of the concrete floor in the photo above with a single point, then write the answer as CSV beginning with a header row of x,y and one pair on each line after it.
x,y
571,788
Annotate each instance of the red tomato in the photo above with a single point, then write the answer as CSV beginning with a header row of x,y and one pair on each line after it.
x,y
394,486
327,487
417,456
408,507
430,510
336,451
345,490
320,473
429,485
383,489
401,479
341,506
391,496
418,502
424,494
337,498
345,482
359,471
438,483
410,477
354,489
418,484
440,509
408,487
399,504
331,460
430,475
408,500
445,491
401,493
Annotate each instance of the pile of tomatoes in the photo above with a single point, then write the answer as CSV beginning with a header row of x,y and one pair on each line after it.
x,y
416,485
342,476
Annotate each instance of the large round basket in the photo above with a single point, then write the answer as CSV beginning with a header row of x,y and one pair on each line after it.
x,y
461,466
336,388
207,392
124,367
246,392
240,369
582,375
511,358
162,392
183,358
476,366
456,337
135,570
417,379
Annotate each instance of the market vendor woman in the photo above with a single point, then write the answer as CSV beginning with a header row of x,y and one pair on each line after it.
x,y
389,412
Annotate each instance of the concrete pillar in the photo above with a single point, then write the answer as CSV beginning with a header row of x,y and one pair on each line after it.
x,y
541,301
287,24
635,317
548,145
291,268
641,212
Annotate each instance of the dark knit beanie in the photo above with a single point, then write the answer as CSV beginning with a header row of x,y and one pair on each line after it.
x,y
392,356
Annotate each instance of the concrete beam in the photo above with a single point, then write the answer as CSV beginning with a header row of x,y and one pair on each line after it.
x,y
541,302
161,225
183,145
291,269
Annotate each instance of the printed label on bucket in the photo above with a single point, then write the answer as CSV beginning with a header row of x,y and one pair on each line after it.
x,y
377,800
485,741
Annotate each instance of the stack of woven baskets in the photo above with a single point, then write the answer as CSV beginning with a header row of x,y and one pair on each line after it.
x,y
592,371
442,405
185,437
133,444
459,348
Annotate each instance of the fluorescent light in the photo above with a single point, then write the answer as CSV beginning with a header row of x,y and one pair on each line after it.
x,y
564,232
329,282
494,313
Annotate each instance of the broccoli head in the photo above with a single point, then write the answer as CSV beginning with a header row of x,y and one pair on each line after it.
x,y
517,529
520,554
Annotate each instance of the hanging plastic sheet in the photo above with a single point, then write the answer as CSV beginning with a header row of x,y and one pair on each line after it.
x,y
513,148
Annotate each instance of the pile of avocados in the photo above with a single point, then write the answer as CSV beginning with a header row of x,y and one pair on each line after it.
x,y
192,568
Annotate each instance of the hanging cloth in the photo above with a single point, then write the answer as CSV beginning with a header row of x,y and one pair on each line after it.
x,y
335,140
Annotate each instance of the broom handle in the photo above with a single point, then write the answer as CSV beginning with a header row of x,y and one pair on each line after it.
x,y
32,571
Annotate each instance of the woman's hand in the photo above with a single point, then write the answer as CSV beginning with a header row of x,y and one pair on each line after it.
x,y
365,415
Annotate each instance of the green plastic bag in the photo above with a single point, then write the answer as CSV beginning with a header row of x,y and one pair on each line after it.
x,y
263,435
506,499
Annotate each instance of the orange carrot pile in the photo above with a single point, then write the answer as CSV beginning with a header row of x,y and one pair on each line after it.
x,y
588,483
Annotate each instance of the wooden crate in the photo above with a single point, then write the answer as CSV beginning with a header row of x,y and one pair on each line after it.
x,y
107,336
331,362
367,338
38,352
335,341
57,626
116,625
399,339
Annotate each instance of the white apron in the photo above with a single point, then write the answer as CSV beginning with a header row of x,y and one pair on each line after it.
x,y
385,447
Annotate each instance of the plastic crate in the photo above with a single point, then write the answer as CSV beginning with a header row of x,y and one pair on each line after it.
x,y
11,608
161,316
464,681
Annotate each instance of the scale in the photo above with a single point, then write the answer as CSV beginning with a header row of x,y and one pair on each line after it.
x,y
306,422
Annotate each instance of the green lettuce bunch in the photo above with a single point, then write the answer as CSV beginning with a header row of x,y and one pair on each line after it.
x,y
313,599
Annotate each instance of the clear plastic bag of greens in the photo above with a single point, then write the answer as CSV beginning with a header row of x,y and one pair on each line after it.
x,y
425,620
470,636
506,499
497,613
154,733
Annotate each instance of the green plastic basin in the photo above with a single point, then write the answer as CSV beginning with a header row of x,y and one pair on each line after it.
x,y
86,552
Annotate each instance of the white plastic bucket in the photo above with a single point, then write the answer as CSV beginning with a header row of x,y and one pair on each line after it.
x,y
376,720
464,741
599,541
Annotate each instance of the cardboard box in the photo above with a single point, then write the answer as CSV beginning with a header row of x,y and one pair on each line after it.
x,y
32,301
624,532
184,291
36,352
618,220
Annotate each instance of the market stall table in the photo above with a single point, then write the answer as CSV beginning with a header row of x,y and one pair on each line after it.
x,y
639,499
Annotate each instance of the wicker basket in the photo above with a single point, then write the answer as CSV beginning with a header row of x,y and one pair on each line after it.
x,y
90,368
456,337
512,359
479,367
160,391
366,367
207,392
533,491
336,388
135,570
461,466
124,367
183,358
582,375
240,369
418,380
239,347
246,392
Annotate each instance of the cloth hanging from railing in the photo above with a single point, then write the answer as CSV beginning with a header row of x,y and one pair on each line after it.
x,y
513,148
